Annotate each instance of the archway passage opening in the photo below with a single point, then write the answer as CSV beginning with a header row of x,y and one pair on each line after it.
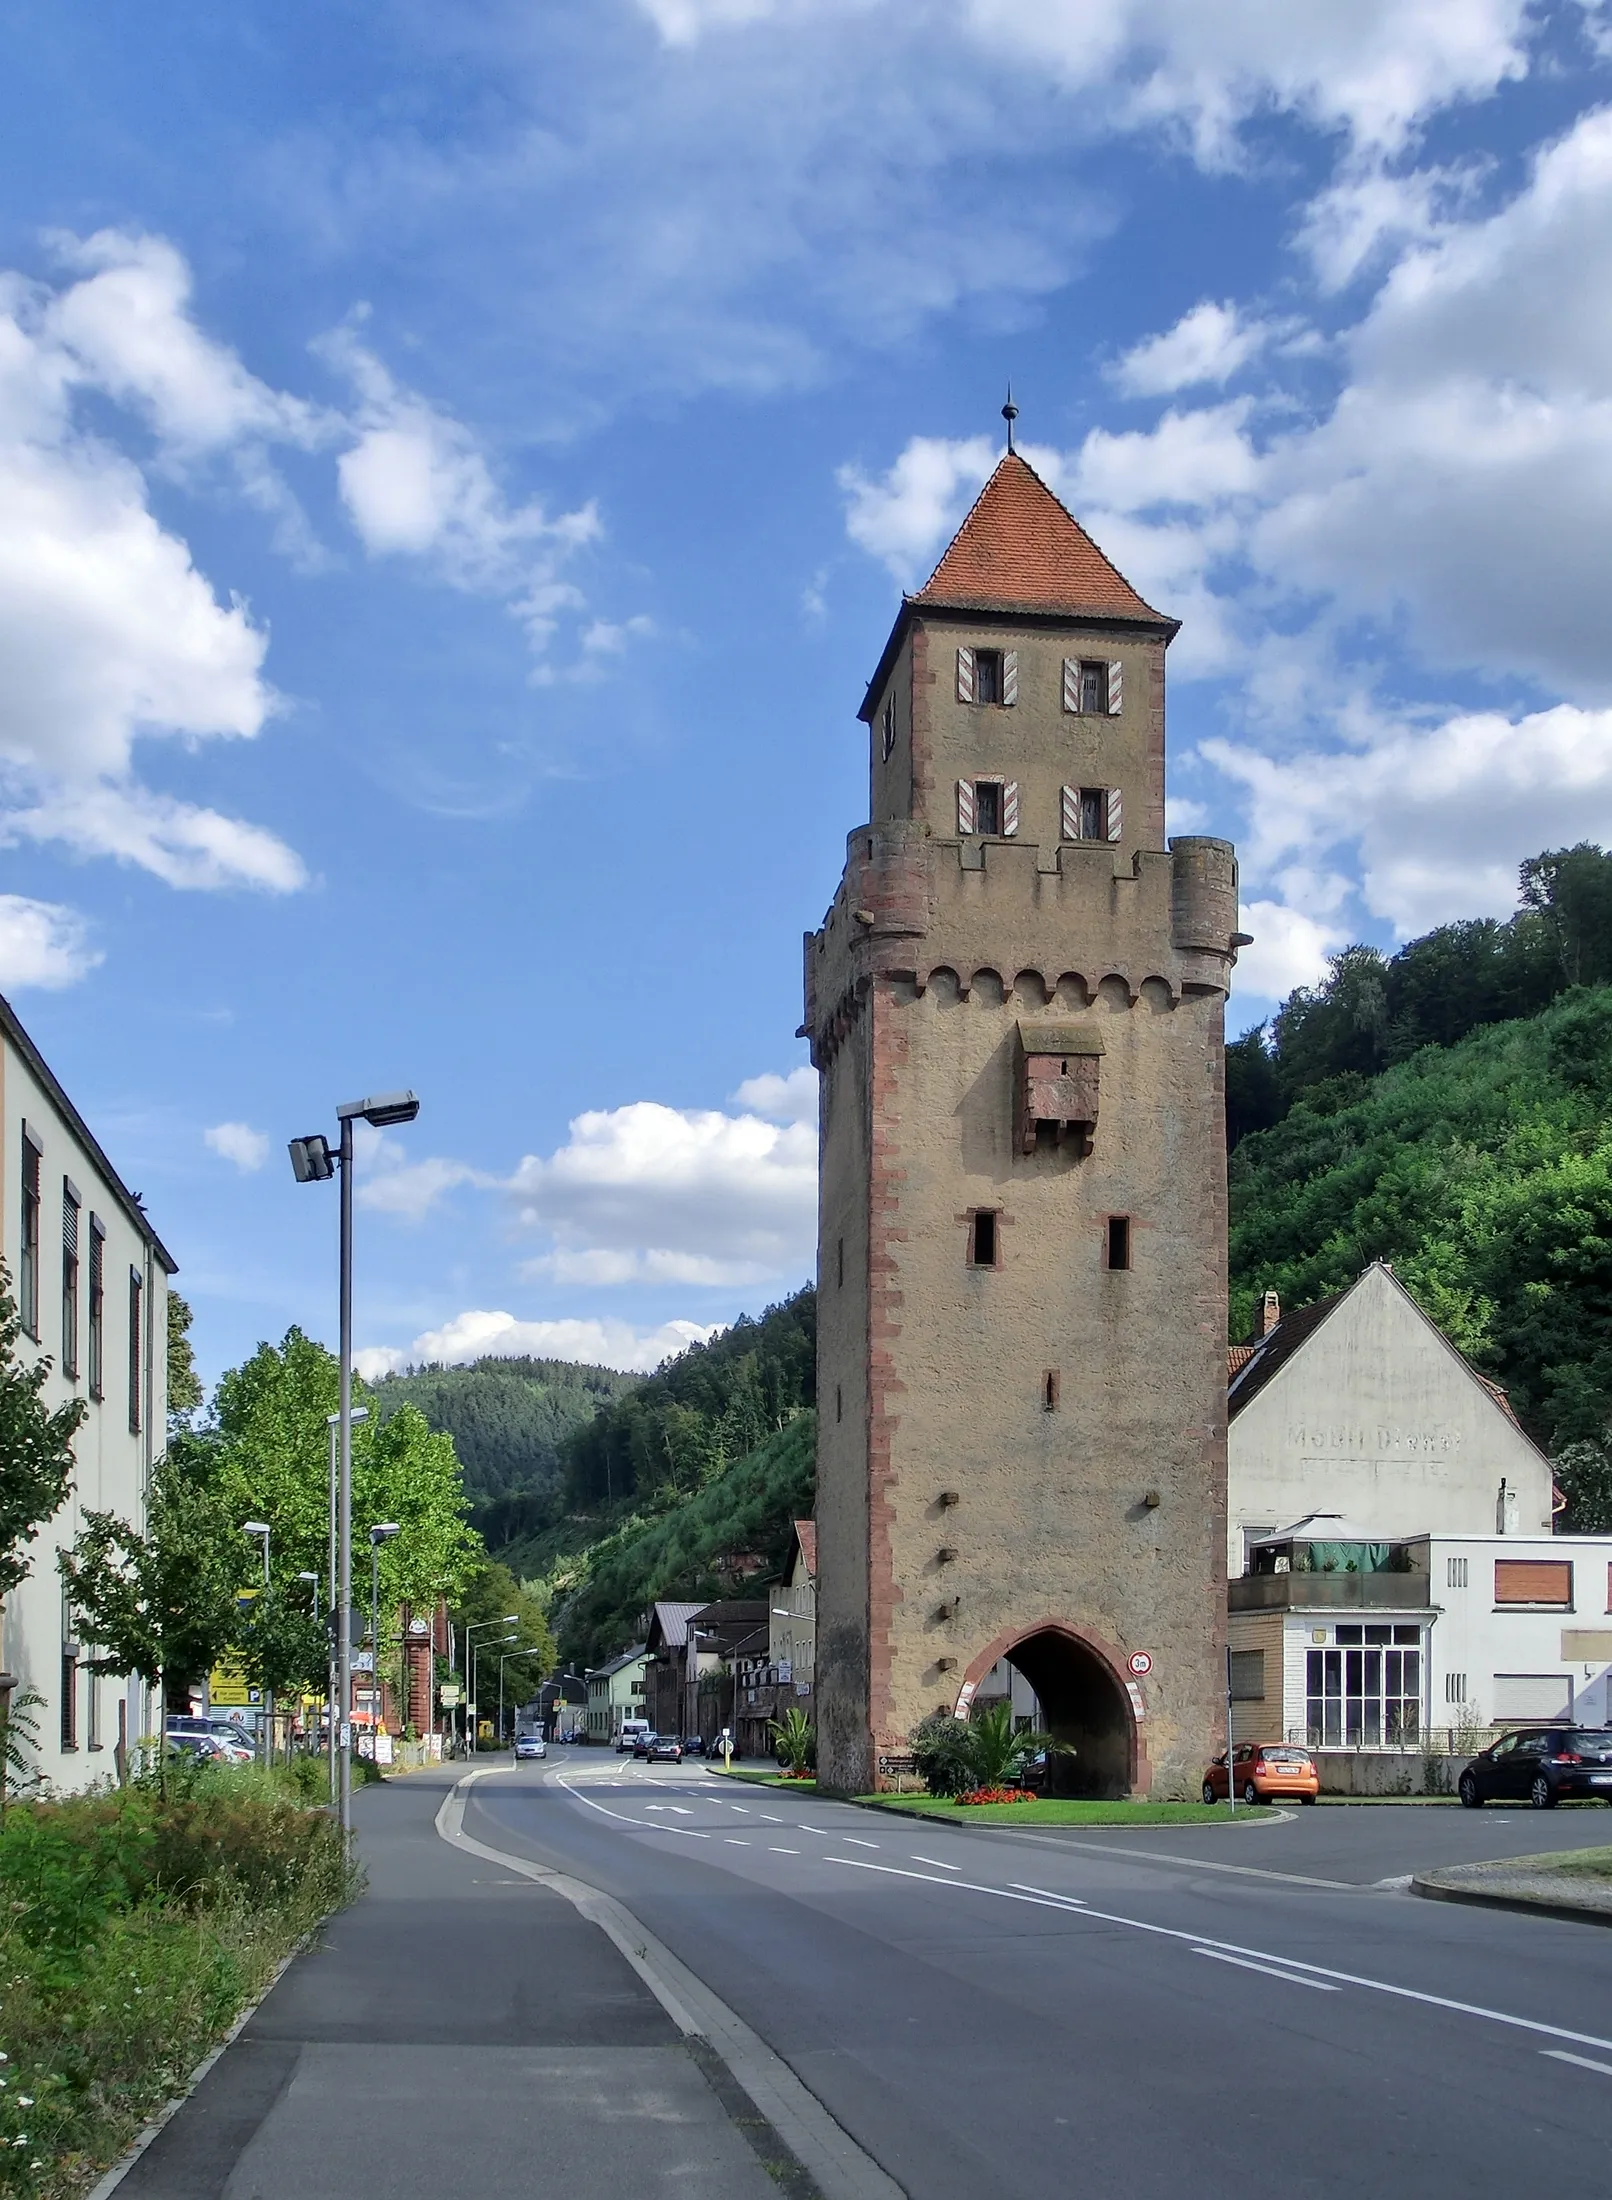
x,y
1079,1701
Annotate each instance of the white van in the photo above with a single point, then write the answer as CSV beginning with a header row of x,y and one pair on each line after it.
x,y
629,1732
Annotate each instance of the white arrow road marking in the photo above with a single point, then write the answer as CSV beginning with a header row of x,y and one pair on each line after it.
x,y
1560,2054
1293,1978
1200,1943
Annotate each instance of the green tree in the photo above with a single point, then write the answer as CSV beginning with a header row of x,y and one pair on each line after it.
x,y
162,1602
36,1447
184,1384
1584,1476
271,1418
489,1591
1571,890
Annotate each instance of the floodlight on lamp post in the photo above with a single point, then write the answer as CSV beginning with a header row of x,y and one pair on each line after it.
x,y
312,1162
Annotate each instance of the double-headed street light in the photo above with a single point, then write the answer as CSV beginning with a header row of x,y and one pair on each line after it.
x,y
313,1163
510,1619
262,1529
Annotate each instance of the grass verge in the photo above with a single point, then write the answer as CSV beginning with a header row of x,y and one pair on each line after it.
x,y
133,1929
1053,1811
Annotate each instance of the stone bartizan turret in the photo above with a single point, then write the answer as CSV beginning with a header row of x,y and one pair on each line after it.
x,y
1016,1006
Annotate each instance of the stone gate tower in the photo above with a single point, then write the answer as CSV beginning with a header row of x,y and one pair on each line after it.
x,y
1016,1006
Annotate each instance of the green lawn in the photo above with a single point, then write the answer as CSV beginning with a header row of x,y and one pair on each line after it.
x,y
1593,1864
1050,1813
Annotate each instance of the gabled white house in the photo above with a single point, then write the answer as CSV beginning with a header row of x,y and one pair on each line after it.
x,y
792,1614
90,1278
1360,1405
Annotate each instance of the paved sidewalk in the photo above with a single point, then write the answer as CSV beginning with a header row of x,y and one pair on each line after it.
x,y
457,2031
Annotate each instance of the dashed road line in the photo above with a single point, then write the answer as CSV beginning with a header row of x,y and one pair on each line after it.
x,y
1560,2054
937,1864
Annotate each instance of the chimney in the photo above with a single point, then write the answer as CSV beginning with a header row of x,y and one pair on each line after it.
x,y
1269,1314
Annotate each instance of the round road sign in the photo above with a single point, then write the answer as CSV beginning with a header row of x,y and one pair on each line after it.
x,y
1141,1664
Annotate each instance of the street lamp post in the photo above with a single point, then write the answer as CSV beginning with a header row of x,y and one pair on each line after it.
x,y
525,1651
474,1655
475,1627
333,1423
261,1528
313,1163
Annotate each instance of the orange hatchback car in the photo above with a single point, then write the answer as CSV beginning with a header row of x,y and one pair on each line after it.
x,y
1266,1772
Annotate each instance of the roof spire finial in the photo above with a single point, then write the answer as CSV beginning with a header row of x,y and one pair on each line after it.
x,y
1010,413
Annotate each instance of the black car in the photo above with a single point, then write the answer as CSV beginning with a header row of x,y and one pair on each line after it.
x,y
643,1744
1542,1765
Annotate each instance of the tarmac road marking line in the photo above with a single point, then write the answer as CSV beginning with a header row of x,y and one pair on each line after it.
x,y
768,1820
852,1842
782,1852
1266,1970
735,1841
1076,1901
1583,2062
1262,1955
938,1865
1187,1863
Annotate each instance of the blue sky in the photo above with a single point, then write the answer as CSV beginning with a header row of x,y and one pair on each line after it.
x,y
457,468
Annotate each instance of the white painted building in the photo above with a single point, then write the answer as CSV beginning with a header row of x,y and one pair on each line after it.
x,y
615,1692
792,1614
90,1278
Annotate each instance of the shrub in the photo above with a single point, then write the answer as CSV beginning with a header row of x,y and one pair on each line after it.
x,y
943,1752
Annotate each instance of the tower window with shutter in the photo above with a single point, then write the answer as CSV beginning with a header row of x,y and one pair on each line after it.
x,y
988,807
1090,813
1093,686
987,676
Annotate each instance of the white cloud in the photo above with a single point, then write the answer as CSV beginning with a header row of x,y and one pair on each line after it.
x,y
1209,344
412,1188
109,637
42,944
416,484
477,1335
238,1142
906,515
658,1194
791,1099
1289,949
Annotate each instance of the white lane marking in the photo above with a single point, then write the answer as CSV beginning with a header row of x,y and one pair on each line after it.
x,y
1266,1970
938,1865
625,1818
768,1820
743,1808
733,1841
1560,2054
1075,1901
783,1852
1262,1955
852,1842
1181,1863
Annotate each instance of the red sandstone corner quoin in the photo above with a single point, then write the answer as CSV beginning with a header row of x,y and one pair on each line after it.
x,y
960,1520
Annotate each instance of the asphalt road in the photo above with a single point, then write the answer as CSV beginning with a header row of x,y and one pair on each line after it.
x,y
1048,2015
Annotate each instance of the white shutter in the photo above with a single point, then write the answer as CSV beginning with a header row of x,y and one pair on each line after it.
x,y
1115,815
965,676
1071,683
1010,807
1010,676
1116,687
965,805
1069,812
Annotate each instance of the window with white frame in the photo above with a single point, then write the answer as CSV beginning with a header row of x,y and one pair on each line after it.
x,y
1367,1693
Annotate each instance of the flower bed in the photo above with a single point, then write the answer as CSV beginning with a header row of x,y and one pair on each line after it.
x,y
997,1795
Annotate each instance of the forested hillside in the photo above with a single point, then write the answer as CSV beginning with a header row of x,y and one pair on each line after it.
x,y
745,1510
1483,1172
510,1420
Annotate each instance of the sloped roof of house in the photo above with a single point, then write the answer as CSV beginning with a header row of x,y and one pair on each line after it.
x,y
615,1664
669,1622
1020,549
1250,1367
803,1536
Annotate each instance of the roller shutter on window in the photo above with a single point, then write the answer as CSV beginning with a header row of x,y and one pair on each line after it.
x,y
1533,1695
1533,1581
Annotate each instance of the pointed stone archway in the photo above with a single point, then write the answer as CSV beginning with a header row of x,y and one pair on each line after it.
x,y
1087,1701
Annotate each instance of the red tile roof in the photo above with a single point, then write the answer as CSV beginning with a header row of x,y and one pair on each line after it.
x,y
1020,550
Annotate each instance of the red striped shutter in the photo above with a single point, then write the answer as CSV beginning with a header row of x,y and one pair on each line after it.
x,y
1010,807
1071,686
1069,807
1116,688
965,805
965,676
1010,676
1115,814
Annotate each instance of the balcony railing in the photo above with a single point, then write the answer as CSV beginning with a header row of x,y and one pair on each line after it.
x,y
1407,1592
